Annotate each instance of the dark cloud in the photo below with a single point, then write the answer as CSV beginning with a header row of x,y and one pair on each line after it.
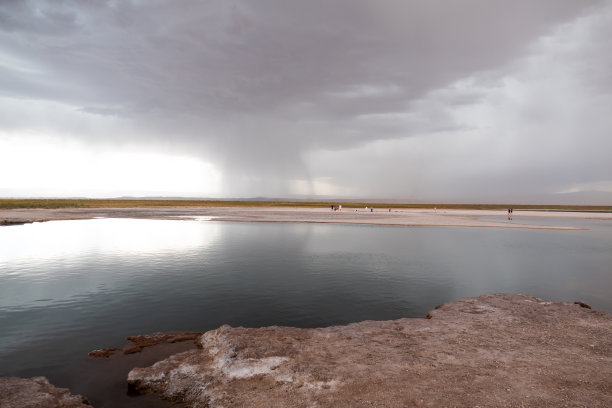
x,y
233,58
256,87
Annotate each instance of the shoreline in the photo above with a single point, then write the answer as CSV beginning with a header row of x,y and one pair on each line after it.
x,y
523,219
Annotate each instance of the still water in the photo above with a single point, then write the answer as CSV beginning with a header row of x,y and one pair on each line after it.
x,y
68,287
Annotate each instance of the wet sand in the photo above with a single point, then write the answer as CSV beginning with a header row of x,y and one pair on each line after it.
x,y
380,216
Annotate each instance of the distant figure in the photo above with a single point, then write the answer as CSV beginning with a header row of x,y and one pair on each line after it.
x,y
509,213
332,207
366,208
372,209
389,210
340,207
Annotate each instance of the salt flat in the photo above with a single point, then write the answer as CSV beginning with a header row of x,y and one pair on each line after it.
x,y
380,216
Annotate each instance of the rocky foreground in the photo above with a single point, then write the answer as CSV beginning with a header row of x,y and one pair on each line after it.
x,y
36,392
490,351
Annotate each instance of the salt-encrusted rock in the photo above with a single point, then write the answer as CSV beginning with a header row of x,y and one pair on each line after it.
x,y
494,350
36,392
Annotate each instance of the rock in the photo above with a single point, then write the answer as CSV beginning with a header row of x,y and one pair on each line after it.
x,y
582,304
147,340
103,353
14,222
493,350
137,343
36,392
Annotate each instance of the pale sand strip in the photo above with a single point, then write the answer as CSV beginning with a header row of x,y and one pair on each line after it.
x,y
380,216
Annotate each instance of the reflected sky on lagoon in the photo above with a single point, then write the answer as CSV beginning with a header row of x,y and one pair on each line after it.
x,y
68,287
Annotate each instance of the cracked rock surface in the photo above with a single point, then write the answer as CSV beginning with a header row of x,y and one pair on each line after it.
x,y
494,350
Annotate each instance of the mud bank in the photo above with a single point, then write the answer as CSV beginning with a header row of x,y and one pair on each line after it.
x,y
494,350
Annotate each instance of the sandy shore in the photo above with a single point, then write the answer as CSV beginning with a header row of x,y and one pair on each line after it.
x,y
380,216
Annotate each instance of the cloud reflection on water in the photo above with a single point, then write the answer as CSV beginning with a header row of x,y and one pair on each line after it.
x,y
53,241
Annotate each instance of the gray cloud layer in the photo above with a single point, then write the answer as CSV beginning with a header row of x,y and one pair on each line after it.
x,y
386,98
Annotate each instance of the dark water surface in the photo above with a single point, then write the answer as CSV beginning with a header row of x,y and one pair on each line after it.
x,y
68,287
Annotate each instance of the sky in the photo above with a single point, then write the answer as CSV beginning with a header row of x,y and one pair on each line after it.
x,y
417,101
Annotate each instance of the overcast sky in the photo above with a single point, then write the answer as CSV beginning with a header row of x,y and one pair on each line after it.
x,y
456,101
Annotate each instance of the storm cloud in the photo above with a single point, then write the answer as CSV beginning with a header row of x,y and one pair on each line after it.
x,y
436,100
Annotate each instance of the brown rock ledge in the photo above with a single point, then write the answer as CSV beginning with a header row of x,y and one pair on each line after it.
x,y
137,343
36,392
494,350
